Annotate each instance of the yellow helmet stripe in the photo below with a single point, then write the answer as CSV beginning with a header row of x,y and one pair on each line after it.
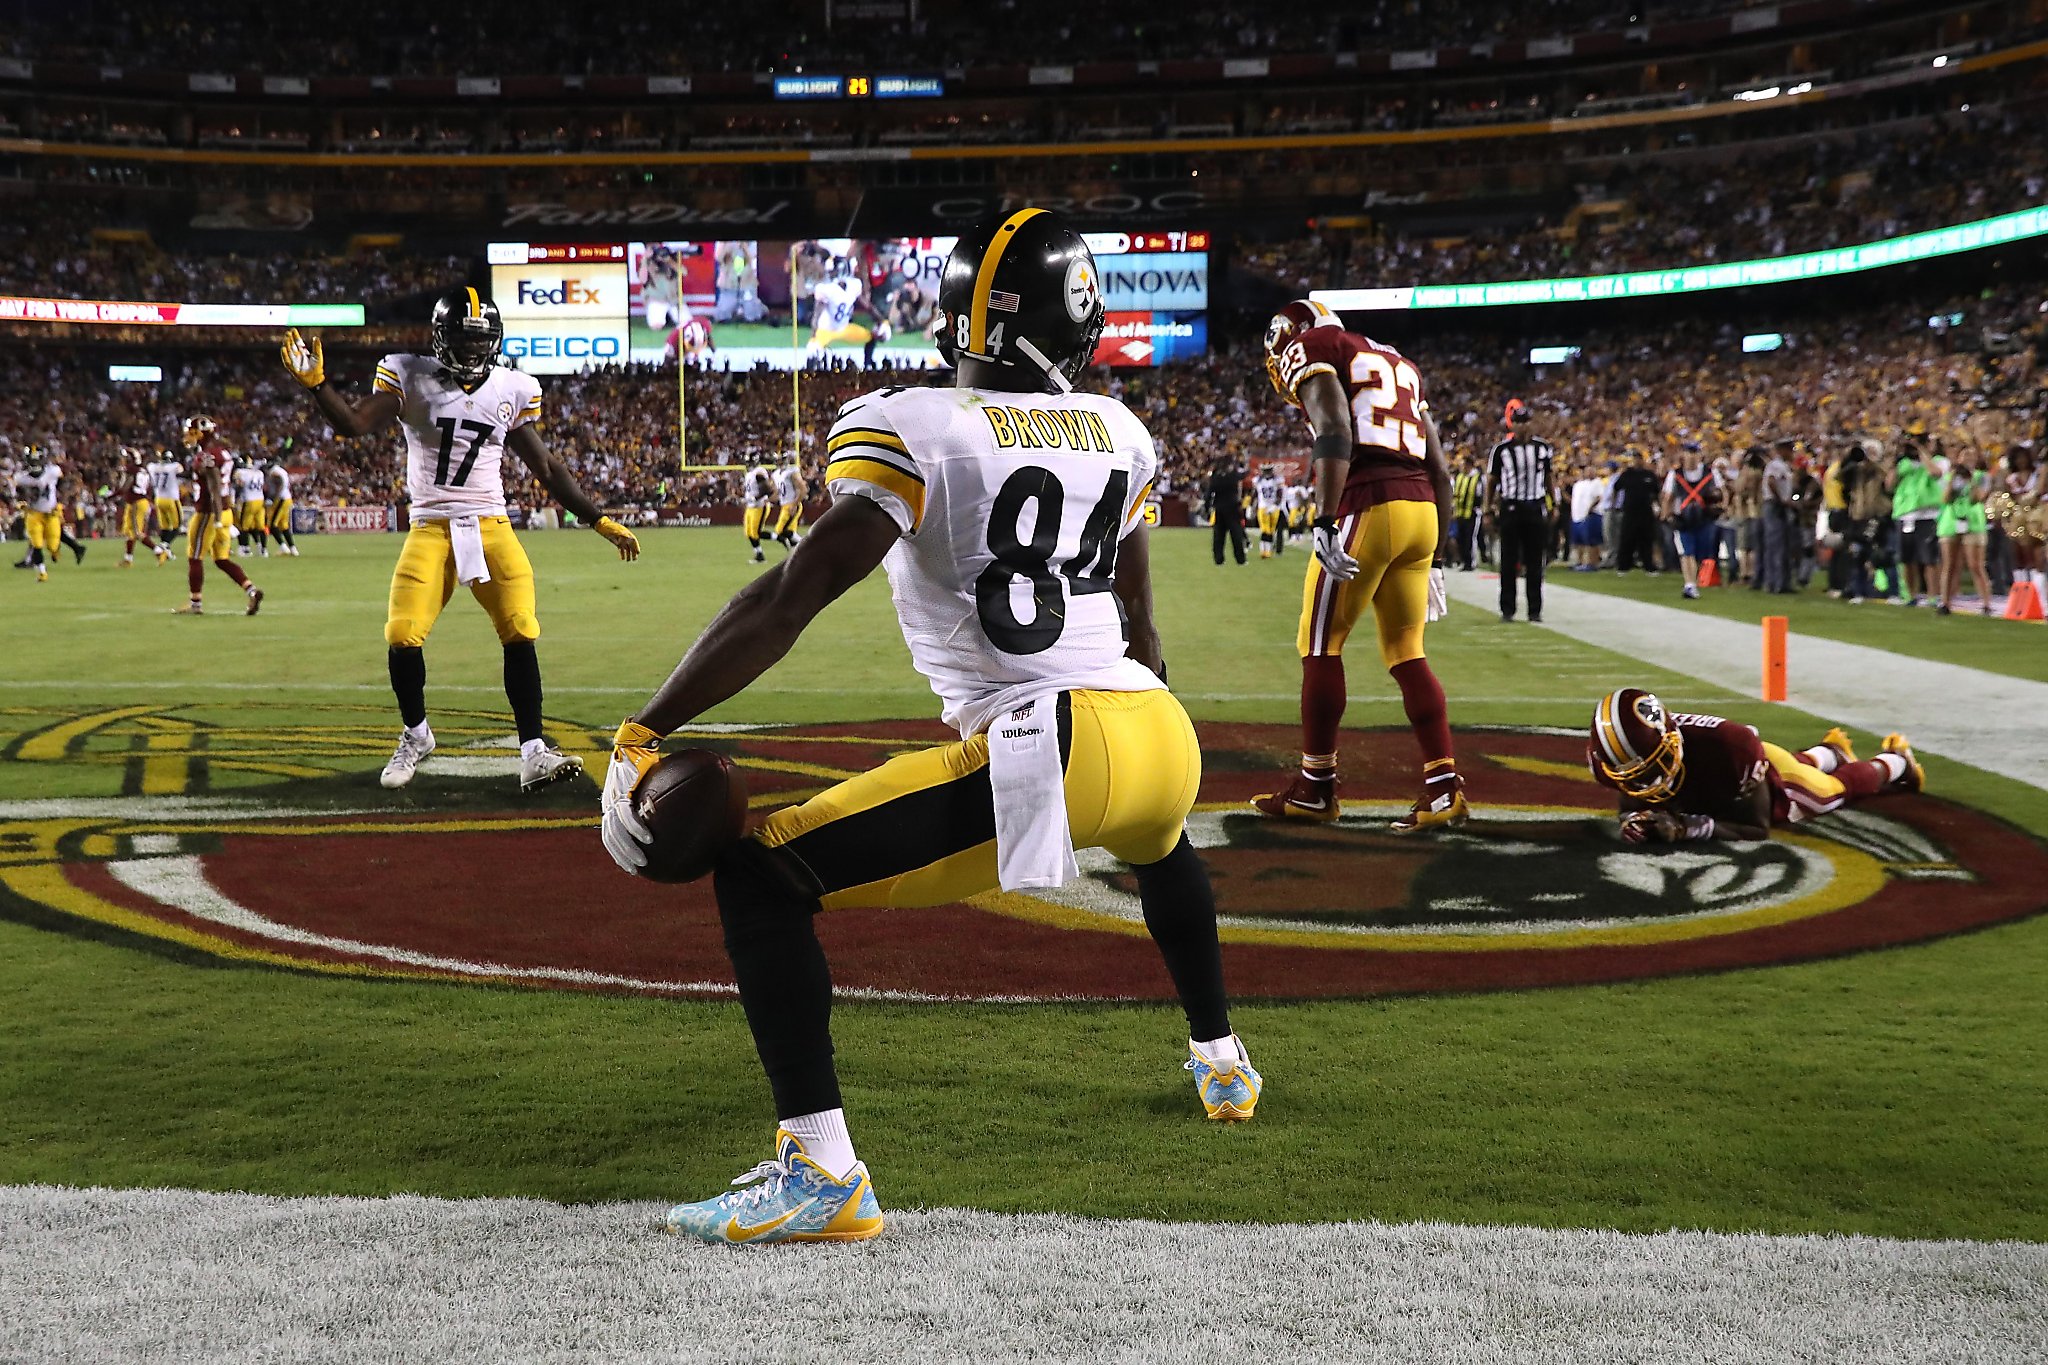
x,y
977,336
476,305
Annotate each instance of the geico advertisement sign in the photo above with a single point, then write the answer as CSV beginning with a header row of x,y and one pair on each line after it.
x,y
583,290
565,347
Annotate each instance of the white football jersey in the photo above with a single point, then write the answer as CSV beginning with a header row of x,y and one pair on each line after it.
x,y
455,438
138,482
1012,507
248,483
785,485
163,479
40,490
835,303
757,487
277,482
1298,496
1267,489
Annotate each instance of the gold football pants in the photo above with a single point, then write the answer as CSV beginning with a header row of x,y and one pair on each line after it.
x,y
921,829
1393,544
425,579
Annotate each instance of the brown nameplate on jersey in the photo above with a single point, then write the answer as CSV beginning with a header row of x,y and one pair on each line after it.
x,y
1042,428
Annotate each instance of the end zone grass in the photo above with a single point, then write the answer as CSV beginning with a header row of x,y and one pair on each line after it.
x,y
1896,1093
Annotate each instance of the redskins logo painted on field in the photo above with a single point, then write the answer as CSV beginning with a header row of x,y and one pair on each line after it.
x,y
245,835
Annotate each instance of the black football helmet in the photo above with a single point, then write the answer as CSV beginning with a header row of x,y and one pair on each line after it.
x,y
468,334
1021,294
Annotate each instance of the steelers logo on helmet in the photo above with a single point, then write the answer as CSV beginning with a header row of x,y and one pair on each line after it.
x,y
1083,294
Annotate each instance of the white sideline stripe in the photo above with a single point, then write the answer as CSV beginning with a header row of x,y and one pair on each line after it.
x,y
150,1275
1988,720
182,884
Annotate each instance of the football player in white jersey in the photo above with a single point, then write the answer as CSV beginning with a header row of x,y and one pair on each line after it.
x,y
789,502
165,475
277,507
1008,513
835,299
251,536
1270,492
39,486
460,412
757,494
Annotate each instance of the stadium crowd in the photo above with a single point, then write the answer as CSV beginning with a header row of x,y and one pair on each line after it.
x,y
1629,410
1823,194
382,37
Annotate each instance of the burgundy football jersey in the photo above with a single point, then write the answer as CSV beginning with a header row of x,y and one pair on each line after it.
x,y
1722,758
1389,452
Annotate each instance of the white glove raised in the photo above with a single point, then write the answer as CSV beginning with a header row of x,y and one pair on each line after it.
x,y
635,749
1330,552
1439,595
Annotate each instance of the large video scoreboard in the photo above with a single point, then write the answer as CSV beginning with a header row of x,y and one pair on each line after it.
x,y
570,306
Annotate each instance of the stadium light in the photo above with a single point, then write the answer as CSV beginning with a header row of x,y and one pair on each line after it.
x,y
1762,341
1813,265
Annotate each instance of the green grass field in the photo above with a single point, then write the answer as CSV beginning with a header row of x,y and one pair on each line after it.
x,y
1897,1092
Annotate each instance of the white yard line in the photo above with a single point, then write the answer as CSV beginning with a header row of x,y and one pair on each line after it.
x,y
1984,719
175,1275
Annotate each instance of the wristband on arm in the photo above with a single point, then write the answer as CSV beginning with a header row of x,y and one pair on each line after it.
x,y
1698,828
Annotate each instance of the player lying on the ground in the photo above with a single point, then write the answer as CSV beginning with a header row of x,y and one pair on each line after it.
x,y
1009,512
460,411
1684,778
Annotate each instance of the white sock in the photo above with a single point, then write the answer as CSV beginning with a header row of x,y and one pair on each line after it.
x,y
825,1140
1823,757
1221,1053
422,731
532,748
1895,764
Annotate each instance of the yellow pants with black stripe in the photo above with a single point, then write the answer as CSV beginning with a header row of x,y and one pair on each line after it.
x,y
920,829
755,516
1393,543
425,579
852,332
45,530
249,515
278,514
1269,526
215,540
167,519
787,516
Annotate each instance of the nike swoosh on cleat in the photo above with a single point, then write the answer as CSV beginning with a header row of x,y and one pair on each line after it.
x,y
734,1232
1323,804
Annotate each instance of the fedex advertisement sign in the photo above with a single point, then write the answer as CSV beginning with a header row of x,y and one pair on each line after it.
x,y
582,289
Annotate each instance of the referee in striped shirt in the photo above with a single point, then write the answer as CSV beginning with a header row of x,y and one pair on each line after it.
x,y
1520,480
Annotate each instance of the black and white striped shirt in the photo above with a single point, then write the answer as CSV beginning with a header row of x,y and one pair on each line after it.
x,y
1519,470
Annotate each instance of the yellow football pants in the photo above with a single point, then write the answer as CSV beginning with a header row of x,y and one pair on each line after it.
x,y
1808,790
920,829
279,515
135,518
215,541
168,519
45,531
424,580
1393,544
755,516
787,517
852,332
249,516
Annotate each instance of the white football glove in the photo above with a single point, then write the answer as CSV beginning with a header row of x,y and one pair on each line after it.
x,y
1439,595
1330,552
635,749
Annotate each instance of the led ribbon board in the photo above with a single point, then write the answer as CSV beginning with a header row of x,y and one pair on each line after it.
x,y
1644,284
107,313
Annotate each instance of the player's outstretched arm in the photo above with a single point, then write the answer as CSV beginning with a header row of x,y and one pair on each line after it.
x,y
525,443
306,358
1134,590
757,627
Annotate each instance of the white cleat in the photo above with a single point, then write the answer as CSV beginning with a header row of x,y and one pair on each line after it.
x,y
545,765
406,761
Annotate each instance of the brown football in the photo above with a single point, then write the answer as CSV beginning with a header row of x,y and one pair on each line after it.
x,y
695,803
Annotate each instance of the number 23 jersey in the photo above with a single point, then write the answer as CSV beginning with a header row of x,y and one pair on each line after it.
x,y
1012,508
1389,451
455,439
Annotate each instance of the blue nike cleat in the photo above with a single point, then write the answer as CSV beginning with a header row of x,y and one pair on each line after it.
x,y
1228,1095
789,1199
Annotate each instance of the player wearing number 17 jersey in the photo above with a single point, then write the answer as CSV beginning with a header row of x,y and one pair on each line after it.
x,y
1383,517
1008,513
459,412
